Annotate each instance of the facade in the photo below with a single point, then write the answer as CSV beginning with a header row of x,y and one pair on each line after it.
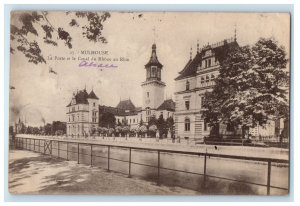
x,y
82,114
197,77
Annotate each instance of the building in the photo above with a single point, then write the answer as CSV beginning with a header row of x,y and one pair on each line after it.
x,y
82,114
20,127
154,103
197,77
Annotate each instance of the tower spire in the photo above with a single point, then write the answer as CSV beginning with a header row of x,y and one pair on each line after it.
x,y
234,32
191,53
197,46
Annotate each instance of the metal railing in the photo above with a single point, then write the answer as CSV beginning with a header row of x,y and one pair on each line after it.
x,y
47,148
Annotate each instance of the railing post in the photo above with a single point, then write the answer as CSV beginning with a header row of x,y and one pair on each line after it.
x,y
91,155
269,177
39,145
50,147
158,167
108,156
44,146
204,171
33,144
129,169
77,153
58,148
67,151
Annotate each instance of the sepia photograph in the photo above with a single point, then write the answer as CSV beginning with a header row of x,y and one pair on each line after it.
x,y
149,103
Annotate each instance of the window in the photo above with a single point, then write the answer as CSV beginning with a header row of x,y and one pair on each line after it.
x,y
205,63
187,105
94,104
209,63
148,94
205,124
187,124
202,80
207,78
212,77
187,85
202,101
78,107
133,120
153,71
73,118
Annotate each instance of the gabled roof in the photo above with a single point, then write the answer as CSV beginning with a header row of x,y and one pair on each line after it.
x,y
168,105
153,59
92,95
220,52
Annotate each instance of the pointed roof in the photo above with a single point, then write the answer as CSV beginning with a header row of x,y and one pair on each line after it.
x,y
220,52
153,59
81,97
126,105
168,105
92,95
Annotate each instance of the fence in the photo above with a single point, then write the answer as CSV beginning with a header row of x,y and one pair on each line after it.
x,y
46,146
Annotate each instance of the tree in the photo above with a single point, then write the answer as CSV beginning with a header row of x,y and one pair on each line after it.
x,y
37,24
107,119
251,87
152,130
162,126
170,125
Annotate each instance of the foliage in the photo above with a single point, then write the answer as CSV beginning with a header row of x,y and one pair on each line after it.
x,y
38,24
107,119
251,87
143,129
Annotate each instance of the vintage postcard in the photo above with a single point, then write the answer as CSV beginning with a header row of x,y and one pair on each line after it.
x,y
149,103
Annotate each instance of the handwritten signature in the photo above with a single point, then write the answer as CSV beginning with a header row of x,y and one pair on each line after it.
x,y
96,65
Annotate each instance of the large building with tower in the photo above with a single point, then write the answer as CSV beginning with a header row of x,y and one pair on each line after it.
x,y
83,111
154,103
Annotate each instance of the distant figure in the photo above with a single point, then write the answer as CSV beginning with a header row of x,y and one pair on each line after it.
x,y
216,148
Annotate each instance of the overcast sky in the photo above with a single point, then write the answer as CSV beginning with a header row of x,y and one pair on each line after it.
x,y
40,94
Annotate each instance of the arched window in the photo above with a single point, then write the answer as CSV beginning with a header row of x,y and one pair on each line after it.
x,y
187,85
187,124
207,78
212,77
202,80
153,71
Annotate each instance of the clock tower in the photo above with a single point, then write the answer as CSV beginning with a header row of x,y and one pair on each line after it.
x,y
153,87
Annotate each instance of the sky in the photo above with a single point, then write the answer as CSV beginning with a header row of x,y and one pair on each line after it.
x,y
41,96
